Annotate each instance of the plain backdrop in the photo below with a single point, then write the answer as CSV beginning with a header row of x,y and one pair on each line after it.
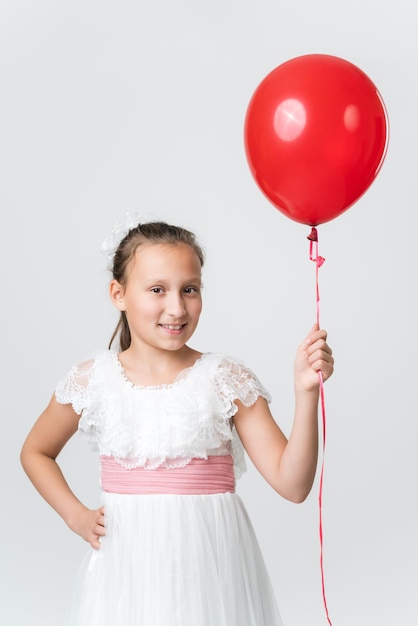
x,y
109,107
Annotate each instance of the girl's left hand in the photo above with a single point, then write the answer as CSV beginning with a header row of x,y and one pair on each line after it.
x,y
313,355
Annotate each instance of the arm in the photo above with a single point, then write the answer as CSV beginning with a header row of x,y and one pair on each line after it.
x,y
51,431
289,465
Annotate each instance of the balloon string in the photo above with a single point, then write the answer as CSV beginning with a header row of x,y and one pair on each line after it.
x,y
319,260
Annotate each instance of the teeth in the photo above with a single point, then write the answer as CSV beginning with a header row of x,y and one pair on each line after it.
x,y
173,327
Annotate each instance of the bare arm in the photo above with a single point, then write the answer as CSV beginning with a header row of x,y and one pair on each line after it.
x,y
55,426
289,465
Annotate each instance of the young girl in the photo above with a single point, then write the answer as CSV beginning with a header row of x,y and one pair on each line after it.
x,y
172,544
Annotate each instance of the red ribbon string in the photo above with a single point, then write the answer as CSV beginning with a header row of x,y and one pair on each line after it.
x,y
319,260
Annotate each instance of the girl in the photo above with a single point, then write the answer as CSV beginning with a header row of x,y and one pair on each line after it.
x,y
172,544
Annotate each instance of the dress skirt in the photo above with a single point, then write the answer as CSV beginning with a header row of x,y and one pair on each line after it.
x,y
175,560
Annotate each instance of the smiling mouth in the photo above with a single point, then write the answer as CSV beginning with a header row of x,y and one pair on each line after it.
x,y
173,326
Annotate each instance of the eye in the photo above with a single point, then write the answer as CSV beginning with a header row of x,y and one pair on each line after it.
x,y
191,290
156,289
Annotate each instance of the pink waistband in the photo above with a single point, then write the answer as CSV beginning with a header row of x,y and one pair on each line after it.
x,y
201,476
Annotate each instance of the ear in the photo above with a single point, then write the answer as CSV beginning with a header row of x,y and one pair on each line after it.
x,y
116,292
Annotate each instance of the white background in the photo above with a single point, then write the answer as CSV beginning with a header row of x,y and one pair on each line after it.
x,y
108,107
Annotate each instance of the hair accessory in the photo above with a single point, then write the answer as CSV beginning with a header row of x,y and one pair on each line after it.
x,y
119,232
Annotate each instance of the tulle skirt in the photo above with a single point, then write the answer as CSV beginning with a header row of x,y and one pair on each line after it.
x,y
175,560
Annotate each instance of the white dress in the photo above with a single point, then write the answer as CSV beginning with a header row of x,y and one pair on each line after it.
x,y
169,559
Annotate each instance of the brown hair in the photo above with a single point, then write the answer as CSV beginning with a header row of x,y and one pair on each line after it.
x,y
150,232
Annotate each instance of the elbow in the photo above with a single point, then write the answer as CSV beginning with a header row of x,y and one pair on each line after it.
x,y
26,456
298,491
296,496
23,457
292,488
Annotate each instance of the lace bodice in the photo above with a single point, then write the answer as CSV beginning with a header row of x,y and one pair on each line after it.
x,y
164,425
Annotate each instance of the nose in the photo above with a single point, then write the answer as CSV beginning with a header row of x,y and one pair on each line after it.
x,y
175,305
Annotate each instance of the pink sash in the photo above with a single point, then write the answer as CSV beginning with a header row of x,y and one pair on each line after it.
x,y
201,476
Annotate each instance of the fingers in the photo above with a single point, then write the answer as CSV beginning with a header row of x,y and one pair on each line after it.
x,y
326,367
95,541
315,333
314,328
98,528
318,352
319,349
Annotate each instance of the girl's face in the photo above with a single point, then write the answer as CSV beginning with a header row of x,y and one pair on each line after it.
x,y
162,296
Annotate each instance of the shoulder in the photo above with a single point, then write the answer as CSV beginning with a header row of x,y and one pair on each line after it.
x,y
221,360
230,366
237,381
82,370
75,385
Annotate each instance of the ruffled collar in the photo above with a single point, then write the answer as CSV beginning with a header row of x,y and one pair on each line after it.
x,y
181,376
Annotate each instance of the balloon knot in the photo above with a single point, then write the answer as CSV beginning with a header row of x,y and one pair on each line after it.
x,y
319,260
313,236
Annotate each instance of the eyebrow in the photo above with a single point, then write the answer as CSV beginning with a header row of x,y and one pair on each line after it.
x,y
192,279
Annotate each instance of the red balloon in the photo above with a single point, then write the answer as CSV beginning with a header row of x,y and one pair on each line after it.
x,y
316,134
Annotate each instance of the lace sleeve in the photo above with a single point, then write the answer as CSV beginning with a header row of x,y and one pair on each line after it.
x,y
236,382
73,387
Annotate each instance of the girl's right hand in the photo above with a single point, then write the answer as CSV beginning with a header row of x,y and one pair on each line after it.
x,y
90,525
